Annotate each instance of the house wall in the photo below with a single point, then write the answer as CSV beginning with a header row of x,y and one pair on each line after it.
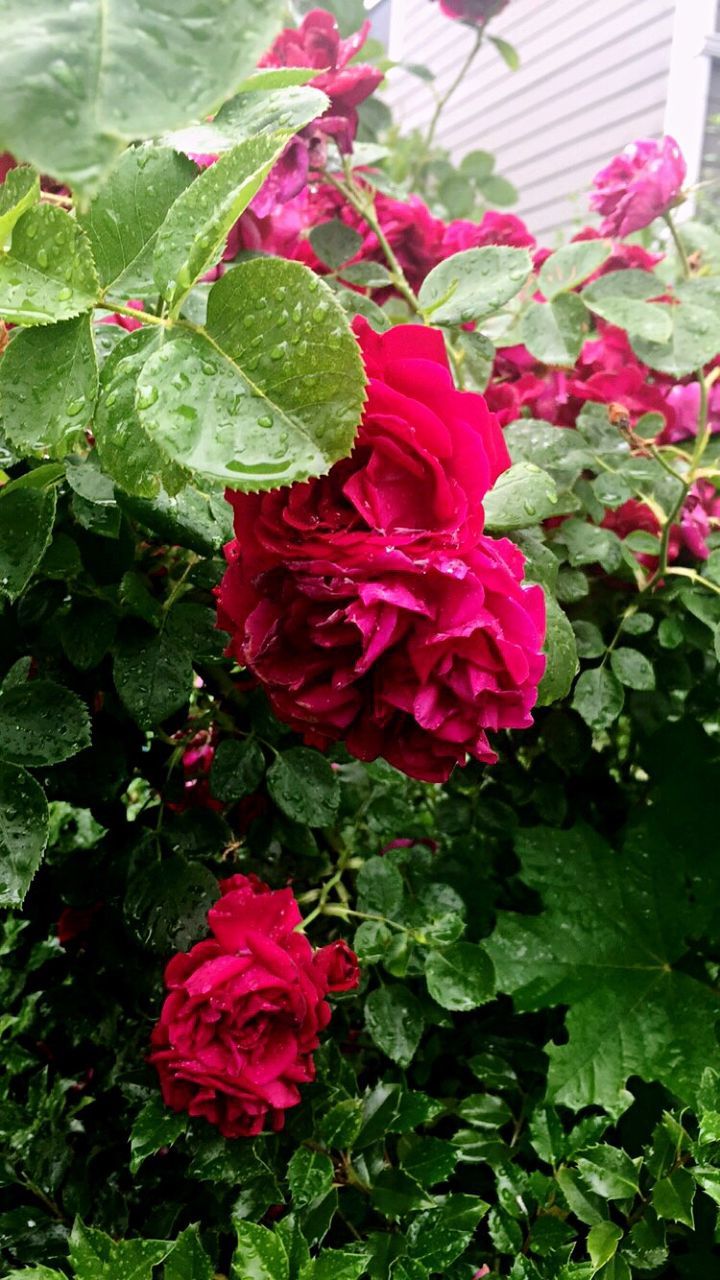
x,y
594,75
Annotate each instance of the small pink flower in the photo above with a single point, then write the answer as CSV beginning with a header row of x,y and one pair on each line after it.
x,y
644,181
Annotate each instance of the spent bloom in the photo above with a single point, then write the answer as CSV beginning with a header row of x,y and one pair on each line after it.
x,y
476,13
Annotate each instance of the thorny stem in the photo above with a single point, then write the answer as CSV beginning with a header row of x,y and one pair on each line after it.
x,y
364,205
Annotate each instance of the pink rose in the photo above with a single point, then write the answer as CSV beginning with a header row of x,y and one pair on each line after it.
x,y
237,1032
644,181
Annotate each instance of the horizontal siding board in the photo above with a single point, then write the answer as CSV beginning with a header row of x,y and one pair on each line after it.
x,y
593,77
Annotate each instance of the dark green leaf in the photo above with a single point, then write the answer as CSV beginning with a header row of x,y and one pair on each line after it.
x,y
153,675
155,1126
438,1237
632,668
237,770
260,1254
561,653
673,1197
602,1242
302,783
395,1194
166,903
380,888
26,523
461,977
93,1254
609,1172
334,242
42,723
188,1260
23,832
598,697
395,1021
310,1175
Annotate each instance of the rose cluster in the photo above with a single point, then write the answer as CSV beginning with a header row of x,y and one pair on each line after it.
x,y
369,603
237,1032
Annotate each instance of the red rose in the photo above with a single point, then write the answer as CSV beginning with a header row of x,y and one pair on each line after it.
x,y
339,965
477,13
408,656
424,457
493,228
238,1030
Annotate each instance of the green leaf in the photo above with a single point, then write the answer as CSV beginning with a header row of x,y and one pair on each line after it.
x,y
588,544
606,945
125,450
428,1160
673,1196
473,284
561,653
476,355
396,1194
508,52
621,298
250,114
42,723
554,331
260,1255
155,1126
271,394
609,1172
632,668
523,495
694,339
709,1179
380,889
153,675
484,1111
191,238
340,1126
188,1260
303,784
438,1237
310,1175
584,1204
124,218
461,977
570,265
334,242
48,273
237,769
166,903
498,191
26,524
200,521
477,164
70,112
18,193
93,1254
395,1021
54,370
23,832
340,1264
86,632
598,697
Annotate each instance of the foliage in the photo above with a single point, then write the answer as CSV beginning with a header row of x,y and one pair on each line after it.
x,y
527,1082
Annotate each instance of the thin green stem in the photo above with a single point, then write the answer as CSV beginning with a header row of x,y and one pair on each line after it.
x,y
447,95
682,255
145,317
364,205
178,586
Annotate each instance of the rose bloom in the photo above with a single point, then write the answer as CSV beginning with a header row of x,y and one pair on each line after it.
x,y
410,656
238,1030
475,12
644,181
424,457
493,228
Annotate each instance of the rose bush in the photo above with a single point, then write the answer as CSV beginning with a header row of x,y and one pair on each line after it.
x,y
320,477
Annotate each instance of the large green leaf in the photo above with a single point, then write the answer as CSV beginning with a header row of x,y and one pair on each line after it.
x,y
395,1021
461,977
473,283
48,273
192,235
155,1126
188,1260
93,1254
26,524
608,944
153,675
260,1254
48,385
270,393
23,832
523,495
251,115
570,265
555,331
560,649
80,80
123,219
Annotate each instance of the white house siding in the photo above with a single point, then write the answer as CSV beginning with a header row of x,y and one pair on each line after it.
x,y
594,75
